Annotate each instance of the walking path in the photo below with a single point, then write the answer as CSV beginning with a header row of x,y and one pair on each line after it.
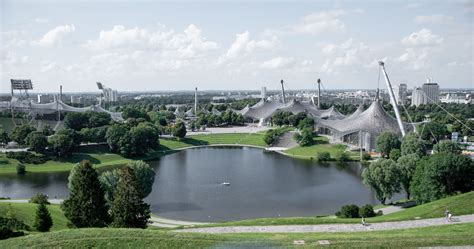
x,y
168,223
333,227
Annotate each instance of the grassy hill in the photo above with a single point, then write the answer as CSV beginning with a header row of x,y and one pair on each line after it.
x,y
450,235
27,211
458,205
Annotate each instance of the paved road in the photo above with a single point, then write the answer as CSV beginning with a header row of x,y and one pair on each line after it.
x,y
332,227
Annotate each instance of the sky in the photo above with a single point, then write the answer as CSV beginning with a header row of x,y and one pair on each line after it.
x,y
234,45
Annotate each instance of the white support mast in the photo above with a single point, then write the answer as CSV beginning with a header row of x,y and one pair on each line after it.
x,y
392,98
283,91
319,93
195,101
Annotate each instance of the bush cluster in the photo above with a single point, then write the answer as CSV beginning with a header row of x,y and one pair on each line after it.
x,y
353,211
27,157
40,198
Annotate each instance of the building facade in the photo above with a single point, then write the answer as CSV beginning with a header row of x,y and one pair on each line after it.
x,y
431,91
417,97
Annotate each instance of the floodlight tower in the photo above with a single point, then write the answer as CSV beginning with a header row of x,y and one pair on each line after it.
x,y
22,101
392,98
319,93
283,91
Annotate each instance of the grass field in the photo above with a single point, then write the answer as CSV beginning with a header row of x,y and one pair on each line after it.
x,y
27,211
449,235
321,144
100,156
458,205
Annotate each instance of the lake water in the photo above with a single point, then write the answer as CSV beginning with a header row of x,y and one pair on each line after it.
x,y
262,184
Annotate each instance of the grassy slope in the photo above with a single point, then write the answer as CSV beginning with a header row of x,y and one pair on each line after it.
x,y
458,205
458,234
27,211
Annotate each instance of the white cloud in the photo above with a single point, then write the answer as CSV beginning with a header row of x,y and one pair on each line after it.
x,y
278,62
11,58
41,20
188,44
54,36
243,45
348,53
326,21
414,58
423,37
412,5
434,19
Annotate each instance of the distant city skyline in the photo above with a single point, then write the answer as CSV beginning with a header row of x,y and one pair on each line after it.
x,y
234,46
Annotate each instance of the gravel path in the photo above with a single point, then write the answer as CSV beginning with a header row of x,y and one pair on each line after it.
x,y
333,227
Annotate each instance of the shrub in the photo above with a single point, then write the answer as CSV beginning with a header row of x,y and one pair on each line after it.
x,y
395,154
348,211
324,156
366,156
27,157
40,198
366,211
6,233
20,169
342,156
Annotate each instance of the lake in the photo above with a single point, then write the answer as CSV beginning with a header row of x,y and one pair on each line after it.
x,y
188,185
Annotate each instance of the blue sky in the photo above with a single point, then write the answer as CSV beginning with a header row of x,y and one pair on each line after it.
x,y
150,45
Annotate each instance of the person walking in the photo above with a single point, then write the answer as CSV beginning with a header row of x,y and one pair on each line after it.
x,y
446,214
363,221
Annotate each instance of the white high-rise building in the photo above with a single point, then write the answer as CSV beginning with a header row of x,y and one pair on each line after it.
x,y
417,97
400,93
263,93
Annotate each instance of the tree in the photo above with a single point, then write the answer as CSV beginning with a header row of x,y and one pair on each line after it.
x,y
179,130
20,133
433,131
128,209
43,220
306,123
382,176
306,137
61,144
442,174
39,199
144,174
323,156
97,119
20,169
86,205
395,154
37,141
47,130
412,144
447,146
114,134
386,142
4,139
407,166
130,112
76,120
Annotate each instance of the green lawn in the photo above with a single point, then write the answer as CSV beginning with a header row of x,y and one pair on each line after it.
x,y
458,205
27,211
448,235
321,144
98,155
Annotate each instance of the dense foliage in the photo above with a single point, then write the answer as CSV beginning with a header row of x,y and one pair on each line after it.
x,y
128,208
43,220
79,120
348,211
442,174
39,198
86,205
386,142
20,133
382,176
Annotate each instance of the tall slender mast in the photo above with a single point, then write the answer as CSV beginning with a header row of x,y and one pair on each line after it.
x,y
319,93
283,91
392,98
195,100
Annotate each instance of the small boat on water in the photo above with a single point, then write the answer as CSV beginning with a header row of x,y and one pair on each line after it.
x,y
226,183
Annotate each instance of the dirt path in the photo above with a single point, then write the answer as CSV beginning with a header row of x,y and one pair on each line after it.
x,y
333,227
